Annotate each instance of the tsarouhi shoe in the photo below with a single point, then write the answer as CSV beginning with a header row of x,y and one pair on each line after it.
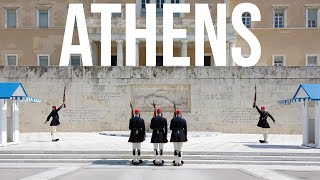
x,y
140,161
135,162
161,163
174,163
261,141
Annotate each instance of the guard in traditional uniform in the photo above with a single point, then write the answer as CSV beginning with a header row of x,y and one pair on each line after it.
x,y
178,126
137,135
55,121
159,136
263,123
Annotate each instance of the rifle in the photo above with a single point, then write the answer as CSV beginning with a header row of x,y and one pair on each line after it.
x,y
255,96
154,109
132,115
175,109
64,97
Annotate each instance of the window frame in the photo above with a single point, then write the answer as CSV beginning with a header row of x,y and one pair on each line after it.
x,y
38,59
284,16
312,55
70,64
6,59
307,16
115,55
160,55
278,55
6,17
246,18
143,9
38,17
211,59
160,3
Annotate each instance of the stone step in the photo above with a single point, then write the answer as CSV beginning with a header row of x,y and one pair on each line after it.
x,y
168,162
186,157
212,153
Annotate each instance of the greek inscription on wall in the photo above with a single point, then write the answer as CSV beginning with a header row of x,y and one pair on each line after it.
x,y
103,95
164,96
239,115
82,115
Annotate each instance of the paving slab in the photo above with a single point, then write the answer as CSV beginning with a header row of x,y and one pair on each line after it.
x,y
305,175
198,142
18,173
157,174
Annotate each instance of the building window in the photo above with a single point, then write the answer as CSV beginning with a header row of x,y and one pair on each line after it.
x,y
207,60
159,8
75,60
143,7
160,4
116,15
43,60
246,19
176,2
143,3
278,61
312,18
114,60
12,60
43,18
279,18
159,61
312,60
11,18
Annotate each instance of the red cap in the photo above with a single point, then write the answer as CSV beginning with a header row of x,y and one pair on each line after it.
x,y
137,111
178,111
263,107
159,110
54,107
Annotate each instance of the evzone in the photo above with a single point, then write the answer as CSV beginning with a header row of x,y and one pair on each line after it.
x,y
178,125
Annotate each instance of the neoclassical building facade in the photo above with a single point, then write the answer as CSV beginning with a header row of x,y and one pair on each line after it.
x,y
32,32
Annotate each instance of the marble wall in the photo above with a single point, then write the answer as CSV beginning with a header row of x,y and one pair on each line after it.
x,y
211,98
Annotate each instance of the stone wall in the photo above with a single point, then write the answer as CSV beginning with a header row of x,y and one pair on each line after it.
x,y
212,98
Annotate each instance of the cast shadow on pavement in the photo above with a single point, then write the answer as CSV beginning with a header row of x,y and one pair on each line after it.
x,y
273,146
112,162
